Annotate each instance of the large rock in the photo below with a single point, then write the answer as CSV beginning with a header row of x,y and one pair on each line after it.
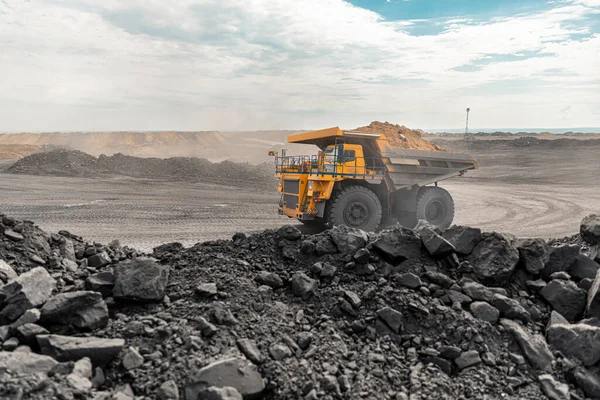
x,y
435,244
102,282
463,238
270,279
303,286
477,291
584,268
485,312
588,381
23,364
141,279
348,240
66,248
553,389
494,259
566,298
233,372
398,245
6,272
592,308
289,232
561,259
66,348
510,308
590,229
84,310
391,317
579,341
534,254
533,345
29,290
27,334
99,260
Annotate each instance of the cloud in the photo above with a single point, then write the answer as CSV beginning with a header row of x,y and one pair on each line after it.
x,y
208,64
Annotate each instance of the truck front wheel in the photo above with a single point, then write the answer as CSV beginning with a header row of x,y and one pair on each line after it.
x,y
436,206
356,207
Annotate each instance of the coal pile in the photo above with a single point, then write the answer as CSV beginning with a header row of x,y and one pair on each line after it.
x,y
344,314
76,163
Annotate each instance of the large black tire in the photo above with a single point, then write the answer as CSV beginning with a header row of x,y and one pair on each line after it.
x,y
356,207
436,206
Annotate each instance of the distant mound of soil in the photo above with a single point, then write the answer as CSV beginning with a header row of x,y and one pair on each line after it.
x,y
400,136
75,163
521,142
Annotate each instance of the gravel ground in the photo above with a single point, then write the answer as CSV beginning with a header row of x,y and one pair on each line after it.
x,y
526,191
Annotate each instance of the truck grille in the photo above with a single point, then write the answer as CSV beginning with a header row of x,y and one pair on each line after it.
x,y
290,201
291,190
291,186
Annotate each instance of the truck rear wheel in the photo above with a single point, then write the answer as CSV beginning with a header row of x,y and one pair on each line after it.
x,y
356,207
436,206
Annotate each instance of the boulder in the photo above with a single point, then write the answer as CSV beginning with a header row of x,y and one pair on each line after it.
x,y
494,259
485,312
270,279
325,246
132,359
66,248
99,260
289,232
398,245
587,381
29,290
27,334
84,310
207,289
553,389
477,291
303,286
534,254
233,372
65,348
219,393
578,341
510,308
463,238
168,391
467,359
457,297
362,256
584,268
12,235
102,282
24,364
250,350
566,298
409,280
6,272
141,279
435,244
348,240
391,317
590,229
561,259
592,308
534,346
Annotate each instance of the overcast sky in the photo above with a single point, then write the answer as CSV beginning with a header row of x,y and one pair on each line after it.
x,y
297,64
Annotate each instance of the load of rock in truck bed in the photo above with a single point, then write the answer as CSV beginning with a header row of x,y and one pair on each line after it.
x,y
401,314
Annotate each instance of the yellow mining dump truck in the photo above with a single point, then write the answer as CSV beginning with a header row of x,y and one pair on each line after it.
x,y
361,181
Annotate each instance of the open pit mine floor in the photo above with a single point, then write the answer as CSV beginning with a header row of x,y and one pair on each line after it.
x,y
144,213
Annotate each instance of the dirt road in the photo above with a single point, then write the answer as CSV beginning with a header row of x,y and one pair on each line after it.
x,y
528,192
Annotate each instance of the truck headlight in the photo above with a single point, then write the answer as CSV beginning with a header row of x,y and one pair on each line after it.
x,y
310,186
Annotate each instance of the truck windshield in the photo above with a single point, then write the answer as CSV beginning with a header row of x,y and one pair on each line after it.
x,y
330,155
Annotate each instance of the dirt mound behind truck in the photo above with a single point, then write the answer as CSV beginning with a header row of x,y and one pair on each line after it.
x,y
79,164
400,136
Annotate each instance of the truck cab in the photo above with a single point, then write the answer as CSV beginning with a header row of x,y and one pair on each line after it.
x,y
343,160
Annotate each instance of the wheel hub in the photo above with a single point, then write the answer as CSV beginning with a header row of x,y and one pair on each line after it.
x,y
434,212
356,214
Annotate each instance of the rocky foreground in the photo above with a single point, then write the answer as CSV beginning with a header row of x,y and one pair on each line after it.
x,y
343,314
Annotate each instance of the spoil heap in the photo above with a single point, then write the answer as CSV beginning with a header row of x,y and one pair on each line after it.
x,y
79,164
281,315
400,136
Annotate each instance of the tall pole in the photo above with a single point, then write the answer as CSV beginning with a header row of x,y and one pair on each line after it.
x,y
467,128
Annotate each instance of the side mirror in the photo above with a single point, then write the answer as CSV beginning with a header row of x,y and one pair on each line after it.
x,y
272,153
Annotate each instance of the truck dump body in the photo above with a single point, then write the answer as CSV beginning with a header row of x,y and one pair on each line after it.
x,y
404,167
